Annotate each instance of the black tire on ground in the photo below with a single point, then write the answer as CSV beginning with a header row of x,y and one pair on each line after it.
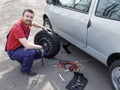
x,y
114,71
49,41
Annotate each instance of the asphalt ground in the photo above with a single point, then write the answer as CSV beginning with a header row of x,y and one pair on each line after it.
x,y
48,75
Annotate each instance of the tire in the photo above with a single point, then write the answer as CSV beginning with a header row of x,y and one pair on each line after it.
x,y
49,41
115,74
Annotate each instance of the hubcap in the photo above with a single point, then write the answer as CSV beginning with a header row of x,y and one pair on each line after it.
x,y
116,78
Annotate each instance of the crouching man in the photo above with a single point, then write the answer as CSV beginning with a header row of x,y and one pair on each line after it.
x,y
19,48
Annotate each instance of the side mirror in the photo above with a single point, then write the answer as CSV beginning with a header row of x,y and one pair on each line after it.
x,y
49,1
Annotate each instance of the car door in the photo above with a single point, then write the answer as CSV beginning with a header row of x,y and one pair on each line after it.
x,y
103,35
70,20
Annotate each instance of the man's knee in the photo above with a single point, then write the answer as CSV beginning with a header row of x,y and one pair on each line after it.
x,y
31,54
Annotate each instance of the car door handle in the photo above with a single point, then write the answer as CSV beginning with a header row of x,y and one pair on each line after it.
x,y
89,24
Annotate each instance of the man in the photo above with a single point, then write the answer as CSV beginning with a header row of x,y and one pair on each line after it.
x,y
17,45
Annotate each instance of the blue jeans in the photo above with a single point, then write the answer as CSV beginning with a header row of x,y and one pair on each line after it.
x,y
24,56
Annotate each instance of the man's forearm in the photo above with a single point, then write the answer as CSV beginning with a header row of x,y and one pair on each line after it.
x,y
33,46
37,25
29,45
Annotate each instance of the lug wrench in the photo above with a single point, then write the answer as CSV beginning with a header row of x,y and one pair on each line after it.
x,y
42,61
61,77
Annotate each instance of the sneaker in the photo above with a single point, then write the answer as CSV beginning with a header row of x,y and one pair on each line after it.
x,y
29,73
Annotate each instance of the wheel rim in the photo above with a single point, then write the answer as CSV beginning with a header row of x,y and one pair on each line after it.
x,y
116,78
46,44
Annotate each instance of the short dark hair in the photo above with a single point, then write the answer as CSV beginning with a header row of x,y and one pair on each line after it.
x,y
28,10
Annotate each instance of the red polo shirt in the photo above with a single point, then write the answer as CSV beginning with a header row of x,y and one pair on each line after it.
x,y
19,30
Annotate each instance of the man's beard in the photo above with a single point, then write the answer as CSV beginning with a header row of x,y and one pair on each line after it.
x,y
28,23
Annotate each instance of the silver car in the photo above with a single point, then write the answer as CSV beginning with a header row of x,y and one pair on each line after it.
x,y
91,25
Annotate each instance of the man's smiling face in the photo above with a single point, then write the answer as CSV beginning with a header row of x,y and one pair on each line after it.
x,y
27,18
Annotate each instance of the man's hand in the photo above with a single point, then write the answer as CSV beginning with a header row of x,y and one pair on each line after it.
x,y
42,52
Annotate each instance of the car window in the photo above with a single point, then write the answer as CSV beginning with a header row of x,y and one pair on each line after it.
x,y
69,3
81,5
109,9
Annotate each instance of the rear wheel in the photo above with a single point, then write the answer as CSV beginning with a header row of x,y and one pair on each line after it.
x,y
115,74
49,41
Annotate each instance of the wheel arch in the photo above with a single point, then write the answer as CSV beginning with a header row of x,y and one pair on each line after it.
x,y
45,16
112,58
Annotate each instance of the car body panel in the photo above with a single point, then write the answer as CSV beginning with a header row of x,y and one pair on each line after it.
x,y
77,27
100,39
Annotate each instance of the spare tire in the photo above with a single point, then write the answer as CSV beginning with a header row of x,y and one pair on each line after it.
x,y
49,41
